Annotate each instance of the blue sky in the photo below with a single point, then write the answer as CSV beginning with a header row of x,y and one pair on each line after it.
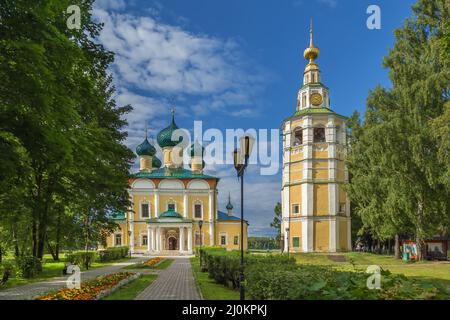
x,y
239,64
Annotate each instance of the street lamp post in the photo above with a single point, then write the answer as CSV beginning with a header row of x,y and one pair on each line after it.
x,y
240,158
288,241
129,243
200,225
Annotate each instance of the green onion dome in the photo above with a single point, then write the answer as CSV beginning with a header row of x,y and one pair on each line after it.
x,y
145,149
196,147
156,163
164,137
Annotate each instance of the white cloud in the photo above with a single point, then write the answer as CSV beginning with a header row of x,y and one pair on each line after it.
x,y
158,65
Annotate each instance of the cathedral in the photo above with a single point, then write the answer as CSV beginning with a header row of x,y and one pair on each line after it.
x,y
315,208
174,210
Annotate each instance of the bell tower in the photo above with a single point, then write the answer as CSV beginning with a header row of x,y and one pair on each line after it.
x,y
315,208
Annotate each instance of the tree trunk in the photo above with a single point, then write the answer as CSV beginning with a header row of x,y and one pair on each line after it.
x,y
34,238
420,243
58,233
397,247
50,249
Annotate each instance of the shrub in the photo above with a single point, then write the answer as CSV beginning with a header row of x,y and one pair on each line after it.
x,y
81,258
275,277
29,266
113,253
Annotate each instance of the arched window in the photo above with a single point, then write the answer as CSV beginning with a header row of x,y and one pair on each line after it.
x,y
304,100
145,210
298,136
171,205
319,134
198,210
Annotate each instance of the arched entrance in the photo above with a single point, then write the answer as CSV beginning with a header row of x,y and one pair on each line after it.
x,y
172,243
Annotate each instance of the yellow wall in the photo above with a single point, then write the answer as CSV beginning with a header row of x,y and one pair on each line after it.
x,y
296,156
163,199
296,173
320,154
321,235
205,203
137,199
320,199
343,236
231,229
295,194
295,230
320,170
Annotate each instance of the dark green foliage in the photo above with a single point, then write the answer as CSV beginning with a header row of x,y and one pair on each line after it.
x,y
63,164
29,266
263,243
114,253
280,278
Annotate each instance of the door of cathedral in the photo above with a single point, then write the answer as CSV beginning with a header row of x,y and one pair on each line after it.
x,y
172,243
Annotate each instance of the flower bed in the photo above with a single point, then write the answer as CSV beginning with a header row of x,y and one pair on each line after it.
x,y
152,262
93,289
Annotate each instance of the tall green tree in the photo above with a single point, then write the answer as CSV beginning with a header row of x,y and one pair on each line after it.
x,y
58,121
399,183
276,223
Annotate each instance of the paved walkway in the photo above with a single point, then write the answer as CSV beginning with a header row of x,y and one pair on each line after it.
x,y
32,290
175,283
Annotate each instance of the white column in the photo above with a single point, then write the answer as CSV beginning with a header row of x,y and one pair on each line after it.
x,y
153,246
149,240
210,203
181,245
190,240
333,236
185,204
131,226
158,240
156,203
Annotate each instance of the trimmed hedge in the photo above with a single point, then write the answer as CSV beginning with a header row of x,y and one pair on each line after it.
x,y
81,258
113,253
275,277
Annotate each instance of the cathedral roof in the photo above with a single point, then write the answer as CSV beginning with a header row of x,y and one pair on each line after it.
x,y
170,214
167,173
222,216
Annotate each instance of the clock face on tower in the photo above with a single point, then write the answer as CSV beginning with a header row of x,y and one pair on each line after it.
x,y
316,99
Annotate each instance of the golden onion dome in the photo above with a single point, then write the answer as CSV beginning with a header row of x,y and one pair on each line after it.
x,y
312,52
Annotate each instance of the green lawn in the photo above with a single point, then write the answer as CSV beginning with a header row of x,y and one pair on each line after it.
x,y
51,269
433,271
161,266
132,289
211,290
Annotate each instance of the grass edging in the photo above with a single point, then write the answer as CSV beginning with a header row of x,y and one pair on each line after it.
x,y
208,288
132,289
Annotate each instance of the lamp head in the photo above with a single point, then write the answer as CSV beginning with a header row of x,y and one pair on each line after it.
x,y
246,143
200,224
